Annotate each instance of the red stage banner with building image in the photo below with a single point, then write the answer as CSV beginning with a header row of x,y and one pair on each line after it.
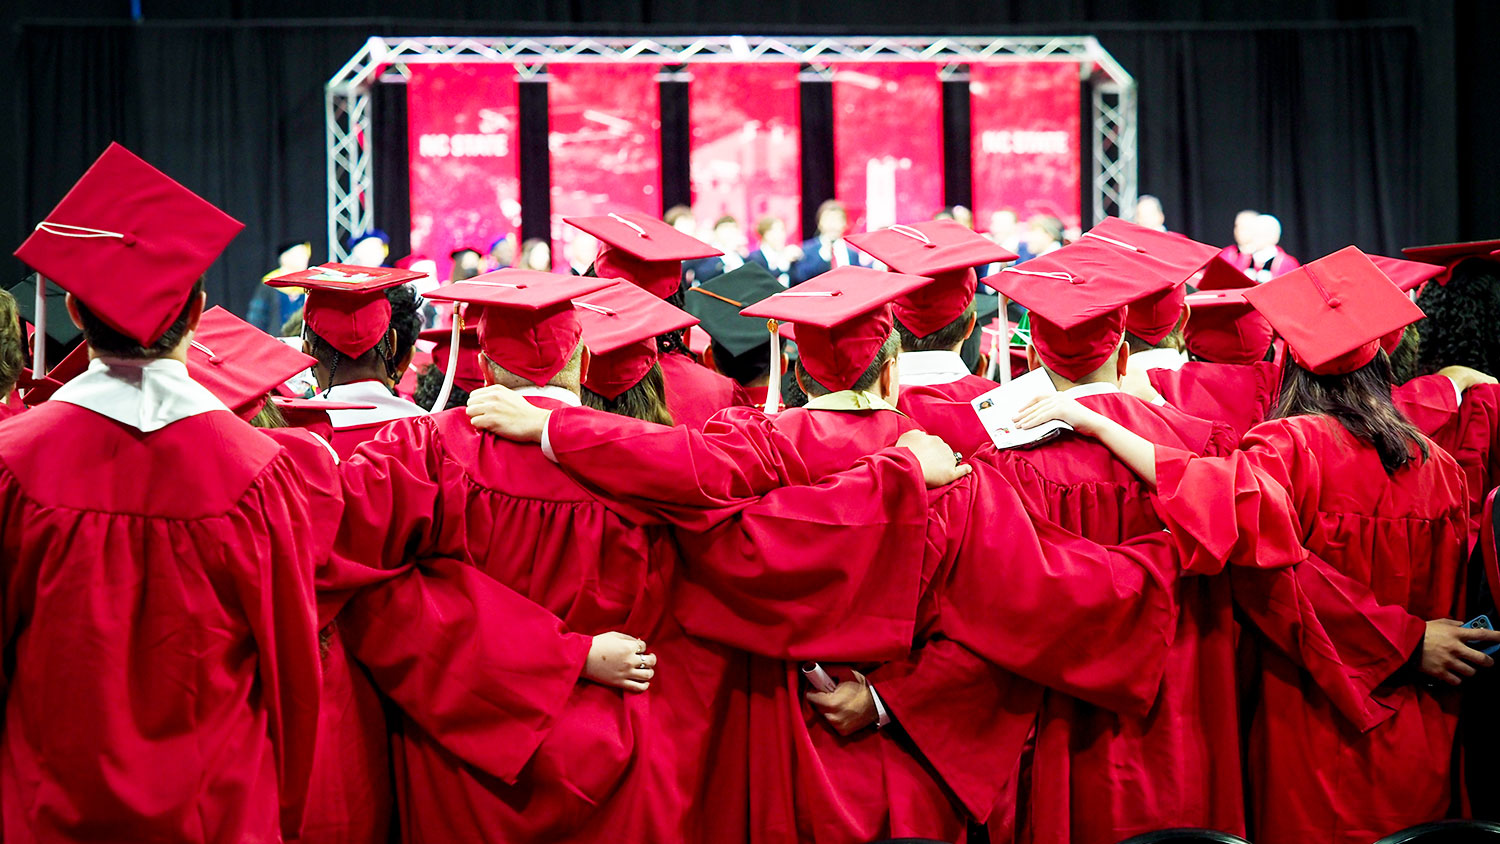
x,y
888,141
604,137
746,158
462,121
1025,120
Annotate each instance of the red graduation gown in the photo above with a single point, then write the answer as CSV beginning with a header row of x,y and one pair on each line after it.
x,y
1429,401
944,410
578,761
165,681
1239,395
1339,749
695,392
1100,776
1470,435
810,784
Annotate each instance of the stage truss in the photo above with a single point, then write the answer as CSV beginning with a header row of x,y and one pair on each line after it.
x,y
348,118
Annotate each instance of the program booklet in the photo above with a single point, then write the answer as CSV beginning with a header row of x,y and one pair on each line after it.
x,y
997,410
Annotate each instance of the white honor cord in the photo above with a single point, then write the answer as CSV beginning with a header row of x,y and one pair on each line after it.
x,y
1002,341
773,390
448,376
39,343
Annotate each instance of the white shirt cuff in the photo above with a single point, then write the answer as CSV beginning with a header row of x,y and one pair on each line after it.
x,y
547,451
882,717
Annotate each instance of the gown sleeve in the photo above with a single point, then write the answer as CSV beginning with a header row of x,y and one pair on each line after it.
x,y
967,717
482,669
1089,620
1332,627
1429,401
275,587
829,571
1237,508
689,478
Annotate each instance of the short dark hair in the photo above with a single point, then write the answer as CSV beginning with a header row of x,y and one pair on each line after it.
x,y
744,368
1361,402
941,340
888,350
430,383
105,340
406,319
647,400
1174,340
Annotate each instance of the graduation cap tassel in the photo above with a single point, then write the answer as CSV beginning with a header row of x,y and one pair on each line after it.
x,y
39,342
452,371
773,391
1002,350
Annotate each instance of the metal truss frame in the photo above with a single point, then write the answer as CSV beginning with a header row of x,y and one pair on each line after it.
x,y
348,116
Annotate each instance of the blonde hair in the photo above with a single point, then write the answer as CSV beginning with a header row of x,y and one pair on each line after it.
x,y
12,344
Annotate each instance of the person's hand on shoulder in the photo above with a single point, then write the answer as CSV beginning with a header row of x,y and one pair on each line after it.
x,y
941,465
502,412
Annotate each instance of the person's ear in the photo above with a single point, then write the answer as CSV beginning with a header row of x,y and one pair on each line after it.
x,y
890,379
73,312
797,376
1032,361
195,311
1122,359
969,329
708,358
583,365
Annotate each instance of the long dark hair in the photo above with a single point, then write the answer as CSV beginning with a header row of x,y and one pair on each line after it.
x,y
1361,402
646,401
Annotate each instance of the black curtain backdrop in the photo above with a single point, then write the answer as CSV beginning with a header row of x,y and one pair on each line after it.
x,y
1361,123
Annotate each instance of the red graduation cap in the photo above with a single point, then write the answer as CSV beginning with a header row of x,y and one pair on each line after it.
x,y
130,243
1224,327
942,250
1334,311
1407,275
1449,255
642,250
527,323
620,326
345,304
469,375
842,319
1078,294
239,363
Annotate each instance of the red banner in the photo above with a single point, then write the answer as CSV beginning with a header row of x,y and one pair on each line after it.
x,y
465,173
888,142
1025,120
746,124
604,133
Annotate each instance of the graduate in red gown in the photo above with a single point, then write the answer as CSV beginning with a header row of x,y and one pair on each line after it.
x,y
164,682
935,320
812,784
1099,776
648,253
353,323
1228,378
595,763
1346,743
739,347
